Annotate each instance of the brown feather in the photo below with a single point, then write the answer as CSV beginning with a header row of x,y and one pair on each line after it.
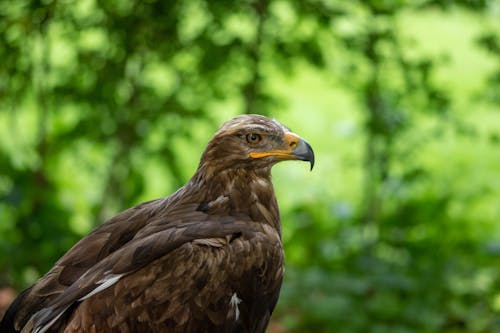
x,y
208,258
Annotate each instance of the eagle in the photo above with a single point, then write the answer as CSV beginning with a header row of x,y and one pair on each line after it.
x,y
208,258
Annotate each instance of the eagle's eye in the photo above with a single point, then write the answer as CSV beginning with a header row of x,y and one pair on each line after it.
x,y
254,138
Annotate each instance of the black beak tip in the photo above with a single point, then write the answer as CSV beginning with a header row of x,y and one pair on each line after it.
x,y
304,152
311,156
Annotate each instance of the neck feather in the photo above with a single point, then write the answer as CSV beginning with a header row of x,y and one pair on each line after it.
x,y
247,191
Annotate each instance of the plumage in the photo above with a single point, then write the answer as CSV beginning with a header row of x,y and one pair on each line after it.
x,y
208,258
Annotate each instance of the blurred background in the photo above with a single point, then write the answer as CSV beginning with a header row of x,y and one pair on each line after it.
x,y
105,104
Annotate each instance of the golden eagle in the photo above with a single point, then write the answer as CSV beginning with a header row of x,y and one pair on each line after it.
x,y
208,258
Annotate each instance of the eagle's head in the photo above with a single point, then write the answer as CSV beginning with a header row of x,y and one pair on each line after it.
x,y
253,142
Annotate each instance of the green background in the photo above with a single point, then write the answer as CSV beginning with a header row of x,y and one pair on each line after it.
x,y
105,104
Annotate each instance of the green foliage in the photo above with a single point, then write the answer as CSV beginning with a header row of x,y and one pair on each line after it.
x,y
102,102
407,276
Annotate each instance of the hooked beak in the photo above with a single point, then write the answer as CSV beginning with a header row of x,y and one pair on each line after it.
x,y
296,148
304,152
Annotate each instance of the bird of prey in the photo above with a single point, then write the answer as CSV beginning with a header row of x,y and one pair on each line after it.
x,y
208,258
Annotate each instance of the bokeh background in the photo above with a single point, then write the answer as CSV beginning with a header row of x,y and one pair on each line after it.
x,y
105,104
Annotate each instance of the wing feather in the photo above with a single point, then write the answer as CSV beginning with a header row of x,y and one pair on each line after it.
x,y
192,289
131,257
91,249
